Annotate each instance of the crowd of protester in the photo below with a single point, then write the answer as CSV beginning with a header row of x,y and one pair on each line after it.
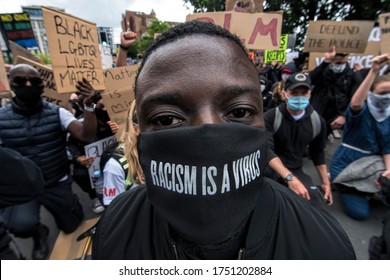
x,y
302,111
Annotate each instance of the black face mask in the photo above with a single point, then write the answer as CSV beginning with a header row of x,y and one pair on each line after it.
x,y
204,180
30,96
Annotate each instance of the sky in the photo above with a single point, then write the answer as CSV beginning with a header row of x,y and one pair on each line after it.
x,y
106,12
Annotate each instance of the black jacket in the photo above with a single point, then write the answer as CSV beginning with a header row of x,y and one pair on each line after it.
x,y
292,138
332,92
20,181
38,136
282,226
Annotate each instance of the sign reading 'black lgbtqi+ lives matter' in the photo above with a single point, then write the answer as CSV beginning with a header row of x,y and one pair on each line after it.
x,y
74,51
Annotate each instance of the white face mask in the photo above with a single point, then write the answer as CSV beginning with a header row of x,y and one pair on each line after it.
x,y
285,77
338,68
262,88
379,105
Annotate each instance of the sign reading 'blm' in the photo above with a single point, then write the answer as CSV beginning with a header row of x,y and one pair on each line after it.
x,y
74,51
258,31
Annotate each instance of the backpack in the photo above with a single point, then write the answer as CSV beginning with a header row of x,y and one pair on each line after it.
x,y
314,118
117,153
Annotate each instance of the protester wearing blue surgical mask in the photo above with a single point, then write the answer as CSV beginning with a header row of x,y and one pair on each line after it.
x,y
294,126
364,153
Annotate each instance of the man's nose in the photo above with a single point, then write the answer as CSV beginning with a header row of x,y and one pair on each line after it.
x,y
207,116
28,83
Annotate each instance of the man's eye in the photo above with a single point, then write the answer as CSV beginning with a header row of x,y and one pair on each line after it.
x,y
166,121
240,113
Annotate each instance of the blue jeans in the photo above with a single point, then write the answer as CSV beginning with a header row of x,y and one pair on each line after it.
x,y
22,220
355,205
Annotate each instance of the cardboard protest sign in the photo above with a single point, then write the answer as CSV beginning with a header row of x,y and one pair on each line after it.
x,y
20,51
277,55
96,150
347,36
17,28
384,23
248,6
363,59
105,54
258,31
74,50
119,93
50,93
4,85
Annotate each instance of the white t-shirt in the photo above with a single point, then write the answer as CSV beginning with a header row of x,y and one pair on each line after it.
x,y
66,118
114,180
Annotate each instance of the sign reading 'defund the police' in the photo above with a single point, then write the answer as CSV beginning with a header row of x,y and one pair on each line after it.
x,y
347,36
74,50
258,31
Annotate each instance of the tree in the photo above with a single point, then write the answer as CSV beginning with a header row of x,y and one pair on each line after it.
x,y
297,14
202,6
156,27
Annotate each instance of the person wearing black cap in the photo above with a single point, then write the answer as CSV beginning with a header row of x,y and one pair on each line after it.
x,y
294,126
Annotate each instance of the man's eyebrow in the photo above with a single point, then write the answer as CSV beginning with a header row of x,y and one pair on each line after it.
x,y
175,97
162,98
236,90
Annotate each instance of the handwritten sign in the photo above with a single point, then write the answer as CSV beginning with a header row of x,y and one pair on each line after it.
x,y
74,51
363,59
384,23
20,51
4,85
258,31
277,55
17,28
105,54
347,36
249,6
96,150
50,93
119,93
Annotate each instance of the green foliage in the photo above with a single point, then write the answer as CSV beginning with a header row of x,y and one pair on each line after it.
x,y
201,6
139,47
43,57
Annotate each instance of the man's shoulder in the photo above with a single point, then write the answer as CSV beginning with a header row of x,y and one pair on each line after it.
x,y
125,224
126,210
301,225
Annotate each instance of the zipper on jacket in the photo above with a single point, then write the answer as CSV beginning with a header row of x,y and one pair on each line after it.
x,y
175,251
241,254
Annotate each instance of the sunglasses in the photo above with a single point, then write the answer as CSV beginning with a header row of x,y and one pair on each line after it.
x,y
21,81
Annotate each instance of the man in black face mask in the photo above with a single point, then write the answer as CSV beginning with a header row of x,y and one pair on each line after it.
x,y
203,149
37,130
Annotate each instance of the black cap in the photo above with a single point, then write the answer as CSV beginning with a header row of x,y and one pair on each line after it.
x,y
298,80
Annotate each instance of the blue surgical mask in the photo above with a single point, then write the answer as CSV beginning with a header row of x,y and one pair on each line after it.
x,y
297,103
